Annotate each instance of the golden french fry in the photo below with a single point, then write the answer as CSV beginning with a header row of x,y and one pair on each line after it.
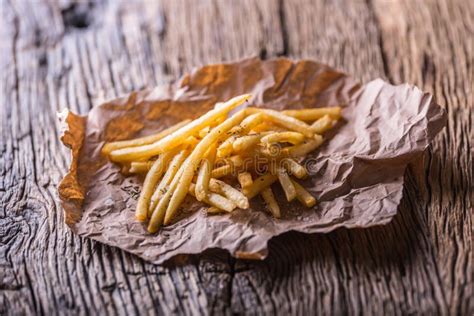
x,y
191,141
108,147
286,184
215,200
259,184
323,124
173,167
294,168
204,131
204,174
286,121
245,142
195,158
250,122
270,201
314,114
225,149
283,137
304,148
140,166
214,210
158,213
176,138
267,127
151,179
221,171
245,179
229,192
303,196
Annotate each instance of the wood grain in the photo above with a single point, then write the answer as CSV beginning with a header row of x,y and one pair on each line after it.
x,y
77,54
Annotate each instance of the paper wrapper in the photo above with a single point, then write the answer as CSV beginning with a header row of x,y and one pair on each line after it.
x,y
356,176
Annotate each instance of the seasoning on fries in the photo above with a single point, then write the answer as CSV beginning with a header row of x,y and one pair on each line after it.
x,y
205,158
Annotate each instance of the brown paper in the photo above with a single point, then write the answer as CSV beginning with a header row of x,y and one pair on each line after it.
x,y
357,175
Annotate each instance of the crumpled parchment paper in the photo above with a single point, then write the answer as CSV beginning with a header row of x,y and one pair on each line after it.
x,y
357,175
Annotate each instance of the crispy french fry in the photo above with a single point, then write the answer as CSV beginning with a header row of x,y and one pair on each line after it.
x,y
152,177
191,141
204,131
314,114
272,204
267,127
108,147
286,121
283,137
204,174
225,149
170,173
323,124
195,158
221,171
229,192
250,122
140,166
215,200
245,142
245,179
303,196
286,184
294,168
158,213
176,138
214,210
259,184
304,148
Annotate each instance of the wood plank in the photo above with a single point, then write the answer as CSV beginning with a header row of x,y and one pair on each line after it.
x,y
431,45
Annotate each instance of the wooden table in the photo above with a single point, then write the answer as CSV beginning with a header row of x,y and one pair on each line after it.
x,y
57,54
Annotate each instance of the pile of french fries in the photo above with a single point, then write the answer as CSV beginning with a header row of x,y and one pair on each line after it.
x,y
253,147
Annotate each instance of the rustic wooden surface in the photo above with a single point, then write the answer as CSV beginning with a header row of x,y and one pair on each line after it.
x,y
57,54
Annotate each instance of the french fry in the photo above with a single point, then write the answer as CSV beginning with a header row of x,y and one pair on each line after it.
x,y
173,168
229,192
204,174
270,201
214,210
221,171
267,127
283,137
304,148
108,147
177,137
286,121
140,166
215,200
152,177
259,184
250,122
314,114
286,184
245,179
322,125
195,158
225,149
204,131
294,168
191,141
304,196
158,213
245,142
